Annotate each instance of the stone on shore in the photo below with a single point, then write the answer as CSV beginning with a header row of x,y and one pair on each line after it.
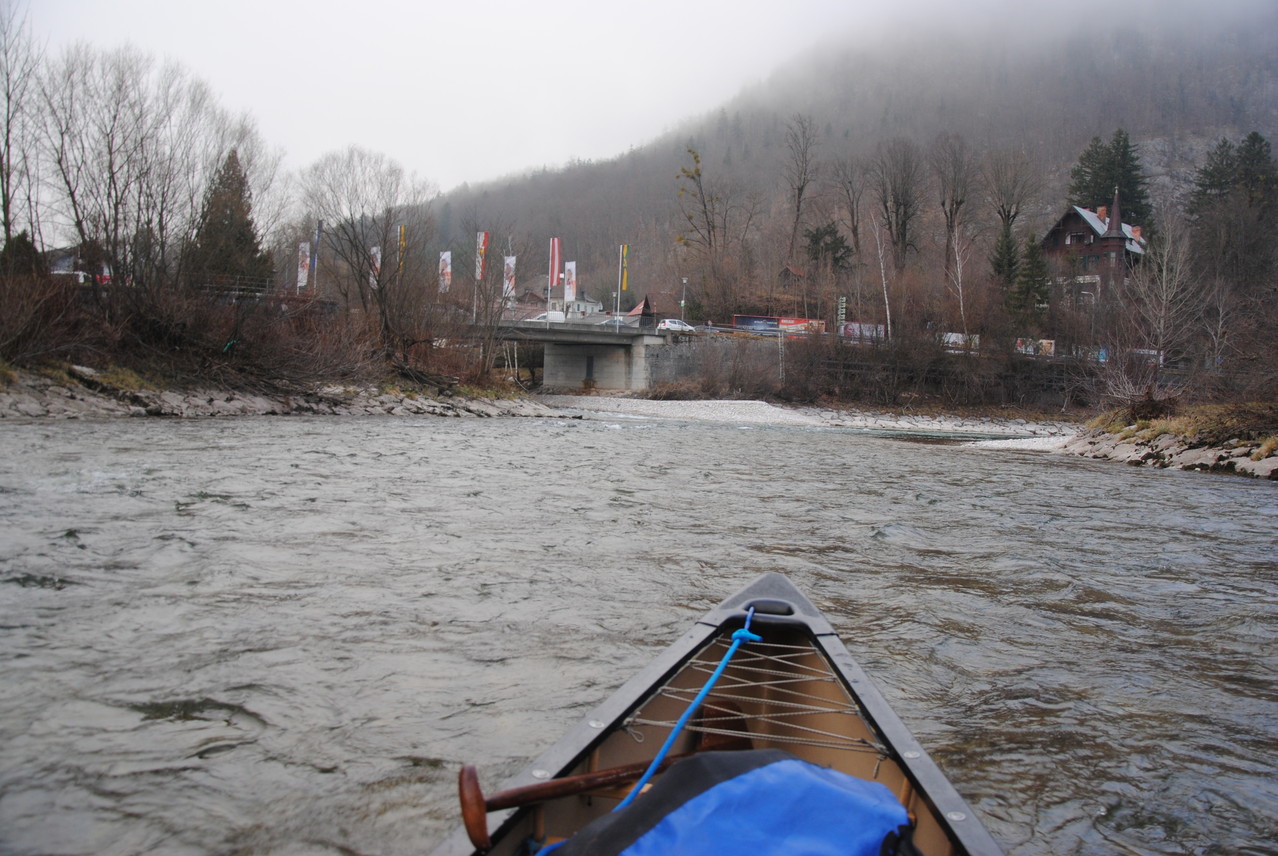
x,y
83,394
1171,452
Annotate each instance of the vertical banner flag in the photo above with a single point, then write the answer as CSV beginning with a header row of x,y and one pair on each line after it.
x,y
403,247
623,272
481,255
374,265
319,236
555,250
508,278
570,283
445,272
303,265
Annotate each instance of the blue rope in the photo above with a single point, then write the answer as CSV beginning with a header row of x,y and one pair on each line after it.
x,y
738,638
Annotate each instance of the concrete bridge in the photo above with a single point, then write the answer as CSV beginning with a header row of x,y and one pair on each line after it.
x,y
604,356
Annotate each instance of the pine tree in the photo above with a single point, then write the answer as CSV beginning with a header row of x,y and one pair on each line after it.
x,y
1235,210
1088,174
1258,174
1005,260
226,250
825,243
21,258
1033,282
1101,168
1215,178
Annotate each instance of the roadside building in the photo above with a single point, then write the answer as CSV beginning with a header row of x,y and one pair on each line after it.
x,y
1090,254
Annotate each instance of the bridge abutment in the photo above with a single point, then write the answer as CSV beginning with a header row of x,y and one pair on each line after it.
x,y
571,366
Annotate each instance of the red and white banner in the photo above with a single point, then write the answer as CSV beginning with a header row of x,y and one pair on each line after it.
x,y
481,255
570,283
303,265
445,272
556,254
508,278
374,265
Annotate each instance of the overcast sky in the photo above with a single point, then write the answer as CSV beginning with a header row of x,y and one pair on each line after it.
x,y
459,91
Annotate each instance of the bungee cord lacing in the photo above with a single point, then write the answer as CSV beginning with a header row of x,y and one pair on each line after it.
x,y
738,638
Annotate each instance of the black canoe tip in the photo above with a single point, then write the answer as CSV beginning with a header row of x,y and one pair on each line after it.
x,y
776,600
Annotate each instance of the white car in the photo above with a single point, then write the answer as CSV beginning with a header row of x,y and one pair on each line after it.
x,y
674,325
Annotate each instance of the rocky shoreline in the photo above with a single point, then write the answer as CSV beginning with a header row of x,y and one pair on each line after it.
x,y
83,394
1171,452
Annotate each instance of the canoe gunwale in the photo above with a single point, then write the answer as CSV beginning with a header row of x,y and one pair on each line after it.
x,y
960,823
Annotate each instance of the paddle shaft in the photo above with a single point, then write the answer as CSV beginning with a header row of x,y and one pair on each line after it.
x,y
475,806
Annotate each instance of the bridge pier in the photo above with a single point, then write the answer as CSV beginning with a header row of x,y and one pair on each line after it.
x,y
601,366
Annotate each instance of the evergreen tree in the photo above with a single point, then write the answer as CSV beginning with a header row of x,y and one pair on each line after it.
x,y
21,258
1005,260
825,242
1235,209
1033,283
226,249
1101,168
1215,178
1258,174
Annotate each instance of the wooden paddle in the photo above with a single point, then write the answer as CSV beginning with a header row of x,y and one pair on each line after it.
x,y
475,806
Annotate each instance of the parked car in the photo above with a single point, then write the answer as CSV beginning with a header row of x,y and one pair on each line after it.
x,y
674,325
554,317
613,322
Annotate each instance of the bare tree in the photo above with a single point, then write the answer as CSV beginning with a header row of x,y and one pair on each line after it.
x,y
1219,321
1011,182
883,278
1162,297
897,177
851,178
954,276
719,220
489,300
954,169
800,170
377,224
19,65
132,148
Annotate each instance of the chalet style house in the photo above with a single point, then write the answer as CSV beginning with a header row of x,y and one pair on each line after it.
x,y
1090,253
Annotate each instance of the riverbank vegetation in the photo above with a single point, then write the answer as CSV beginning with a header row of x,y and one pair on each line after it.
x,y
148,230
1217,426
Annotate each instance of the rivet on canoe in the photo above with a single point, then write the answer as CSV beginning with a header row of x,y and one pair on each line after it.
x,y
955,816
594,723
541,774
911,754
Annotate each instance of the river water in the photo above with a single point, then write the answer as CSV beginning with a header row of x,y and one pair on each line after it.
x,y
284,635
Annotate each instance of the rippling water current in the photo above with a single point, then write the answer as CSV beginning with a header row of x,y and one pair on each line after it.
x,y
282,636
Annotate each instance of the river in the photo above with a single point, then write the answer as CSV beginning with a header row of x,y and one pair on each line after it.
x,y
284,635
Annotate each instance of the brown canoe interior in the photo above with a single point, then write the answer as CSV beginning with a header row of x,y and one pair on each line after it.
x,y
782,693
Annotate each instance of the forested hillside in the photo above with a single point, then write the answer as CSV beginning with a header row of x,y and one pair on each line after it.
x,y
1176,85
901,180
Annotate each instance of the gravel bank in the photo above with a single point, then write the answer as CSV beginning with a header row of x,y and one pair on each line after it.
x,y
82,394
763,413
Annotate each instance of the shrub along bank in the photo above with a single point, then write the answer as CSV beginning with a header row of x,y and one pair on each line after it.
x,y
1239,439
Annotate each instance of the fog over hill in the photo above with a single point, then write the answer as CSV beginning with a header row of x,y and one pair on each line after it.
x,y
1175,76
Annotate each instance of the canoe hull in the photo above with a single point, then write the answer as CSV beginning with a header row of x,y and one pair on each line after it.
x,y
798,689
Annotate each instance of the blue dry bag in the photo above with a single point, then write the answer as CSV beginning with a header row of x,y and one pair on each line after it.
x,y
760,801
